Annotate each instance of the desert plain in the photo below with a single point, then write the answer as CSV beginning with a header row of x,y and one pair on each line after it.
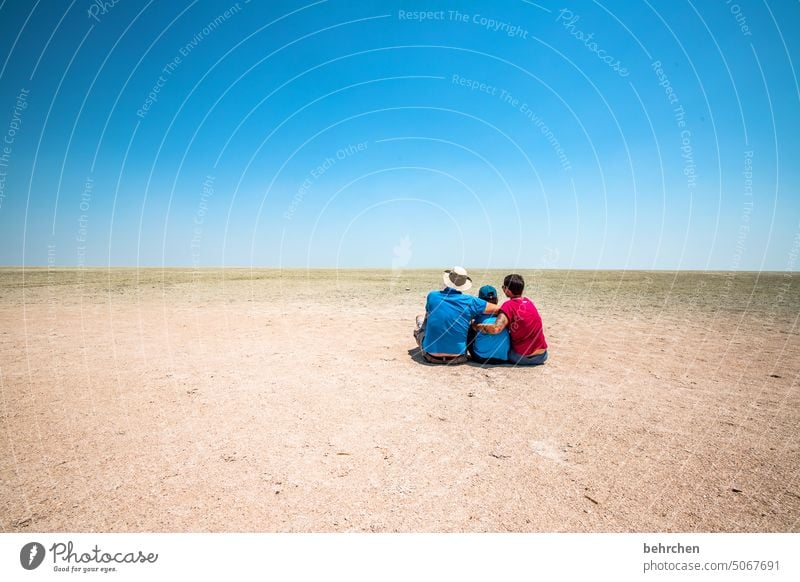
x,y
252,400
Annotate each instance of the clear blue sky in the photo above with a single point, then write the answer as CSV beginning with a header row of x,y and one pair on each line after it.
x,y
624,135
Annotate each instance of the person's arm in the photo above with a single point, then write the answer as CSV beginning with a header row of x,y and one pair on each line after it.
x,y
491,308
492,328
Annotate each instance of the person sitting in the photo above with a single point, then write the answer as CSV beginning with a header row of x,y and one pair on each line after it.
x,y
442,333
519,314
487,348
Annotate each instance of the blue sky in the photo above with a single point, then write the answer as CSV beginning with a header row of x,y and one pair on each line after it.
x,y
622,135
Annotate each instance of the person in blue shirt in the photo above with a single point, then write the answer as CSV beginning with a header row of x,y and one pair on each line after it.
x,y
442,333
487,348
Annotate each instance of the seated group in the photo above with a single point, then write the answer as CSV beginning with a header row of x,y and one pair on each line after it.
x,y
457,327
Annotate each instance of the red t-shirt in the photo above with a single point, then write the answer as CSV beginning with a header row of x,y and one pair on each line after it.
x,y
524,326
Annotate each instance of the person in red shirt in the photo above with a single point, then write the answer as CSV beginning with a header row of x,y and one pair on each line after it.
x,y
519,314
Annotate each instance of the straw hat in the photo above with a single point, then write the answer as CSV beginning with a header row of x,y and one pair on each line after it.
x,y
457,278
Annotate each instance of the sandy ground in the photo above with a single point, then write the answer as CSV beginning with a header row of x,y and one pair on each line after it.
x,y
243,400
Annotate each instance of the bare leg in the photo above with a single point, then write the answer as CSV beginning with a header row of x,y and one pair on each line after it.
x,y
419,331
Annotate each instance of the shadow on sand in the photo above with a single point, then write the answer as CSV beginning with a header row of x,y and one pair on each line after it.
x,y
416,355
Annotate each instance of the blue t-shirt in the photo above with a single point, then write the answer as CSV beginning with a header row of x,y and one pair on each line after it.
x,y
449,315
491,346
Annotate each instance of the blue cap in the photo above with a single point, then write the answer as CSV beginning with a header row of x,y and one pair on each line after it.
x,y
488,293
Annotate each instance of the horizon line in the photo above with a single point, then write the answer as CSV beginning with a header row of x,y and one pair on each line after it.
x,y
389,269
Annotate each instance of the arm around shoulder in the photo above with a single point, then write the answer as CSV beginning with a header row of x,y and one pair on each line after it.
x,y
493,328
